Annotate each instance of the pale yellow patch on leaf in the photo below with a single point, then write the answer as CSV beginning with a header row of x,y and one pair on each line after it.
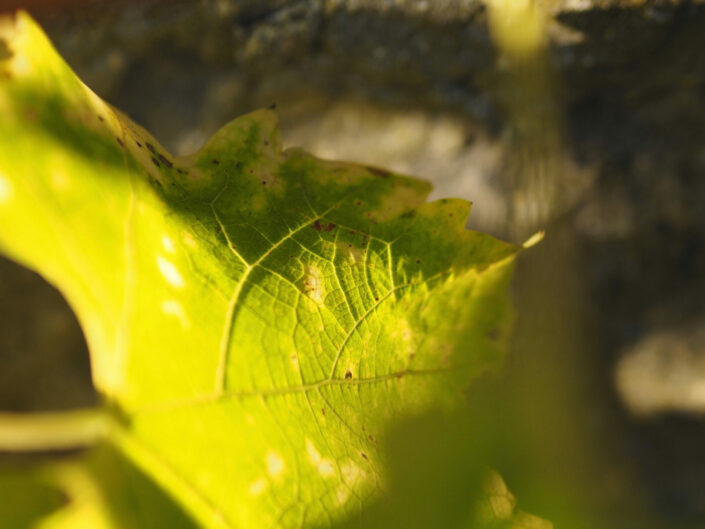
x,y
275,464
170,272
6,191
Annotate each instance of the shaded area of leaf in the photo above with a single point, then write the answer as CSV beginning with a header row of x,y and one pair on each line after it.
x,y
25,499
439,477
100,489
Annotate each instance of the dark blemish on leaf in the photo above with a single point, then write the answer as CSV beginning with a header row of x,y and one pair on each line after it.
x,y
181,171
409,214
349,245
30,114
100,118
411,356
348,375
418,261
155,161
215,161
363,429
323,227
120,142
264,183
323,411
364,456
358,203
218,229
251,171
371,438
494,334
165,160
450,214
399,375
273,106
376,299
238,165
151,148
379,172
138,144
266,143
5,51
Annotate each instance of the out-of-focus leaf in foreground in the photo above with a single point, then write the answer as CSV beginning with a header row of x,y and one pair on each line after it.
x,y
99,489
257,318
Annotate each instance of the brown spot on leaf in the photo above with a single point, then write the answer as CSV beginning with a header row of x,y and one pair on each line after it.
x,y
379,172
323,411
494,334
371,438
348,375
101,119
120,142
364,456
215,161
165,160
323,227
273,106
151,148
5,51
155,161
138,144
30,114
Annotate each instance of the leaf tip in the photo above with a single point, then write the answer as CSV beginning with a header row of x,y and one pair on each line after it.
x,y
534,239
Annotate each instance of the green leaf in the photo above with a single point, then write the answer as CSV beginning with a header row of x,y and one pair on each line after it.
x,y
99,489
24,499
257,318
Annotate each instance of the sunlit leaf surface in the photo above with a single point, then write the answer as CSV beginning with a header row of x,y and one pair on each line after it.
x,y
257,318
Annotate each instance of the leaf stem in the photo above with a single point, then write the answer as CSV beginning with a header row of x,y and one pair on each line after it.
x,y
59,430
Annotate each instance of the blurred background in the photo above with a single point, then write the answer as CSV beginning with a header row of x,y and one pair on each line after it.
x,y
585,118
